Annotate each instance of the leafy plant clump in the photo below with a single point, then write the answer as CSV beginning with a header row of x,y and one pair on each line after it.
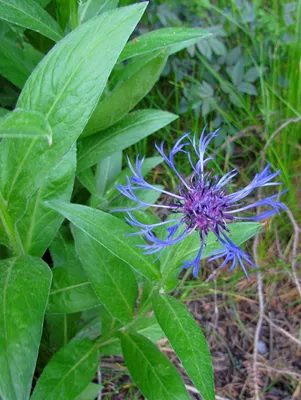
x,y
73,285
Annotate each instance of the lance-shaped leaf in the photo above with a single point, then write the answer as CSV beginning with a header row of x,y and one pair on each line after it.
x,y
112,279
129,130
107,171
22,124
39,224
71,290
14,63
24,287
137,79
65,87
91,392
91,8
111,233
29,14
173,39
68,373
154,374
188,341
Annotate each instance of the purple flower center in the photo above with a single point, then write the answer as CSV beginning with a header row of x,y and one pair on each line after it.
x,y
204,205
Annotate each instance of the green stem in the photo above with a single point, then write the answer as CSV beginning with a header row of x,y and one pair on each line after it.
x,y
73,14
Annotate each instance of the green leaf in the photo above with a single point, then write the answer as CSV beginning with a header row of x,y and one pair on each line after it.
x,y
39,224
205,49
91,8
87,179
148,196
70,290
188,341
217,46
4,112
61,328
154,374
174,39
112,279
91,330
127,93
237,72
149,327
25,124
14,65
90,392
107,171
125,133
63,11
24,287
110,232
65,87
173,257
248,88
148,164
68,373
252,74
29,14
62,248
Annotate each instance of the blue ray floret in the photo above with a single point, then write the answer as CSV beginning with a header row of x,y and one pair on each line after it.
x,y
202,205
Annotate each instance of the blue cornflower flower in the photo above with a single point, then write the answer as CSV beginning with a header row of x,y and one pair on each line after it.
x,y
204,204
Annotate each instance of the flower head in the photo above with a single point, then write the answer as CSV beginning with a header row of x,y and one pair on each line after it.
x,y
204,204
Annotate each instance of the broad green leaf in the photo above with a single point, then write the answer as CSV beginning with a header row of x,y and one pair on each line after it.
x,y
68,373
123,134
113,280
24,287
109,232
90,392
25,124
70,290
174,256
148,164
62,248
14,63
65,87
138,81
61,328
107,171
174,39
39,224
28,14
91,8
154,374
188,341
